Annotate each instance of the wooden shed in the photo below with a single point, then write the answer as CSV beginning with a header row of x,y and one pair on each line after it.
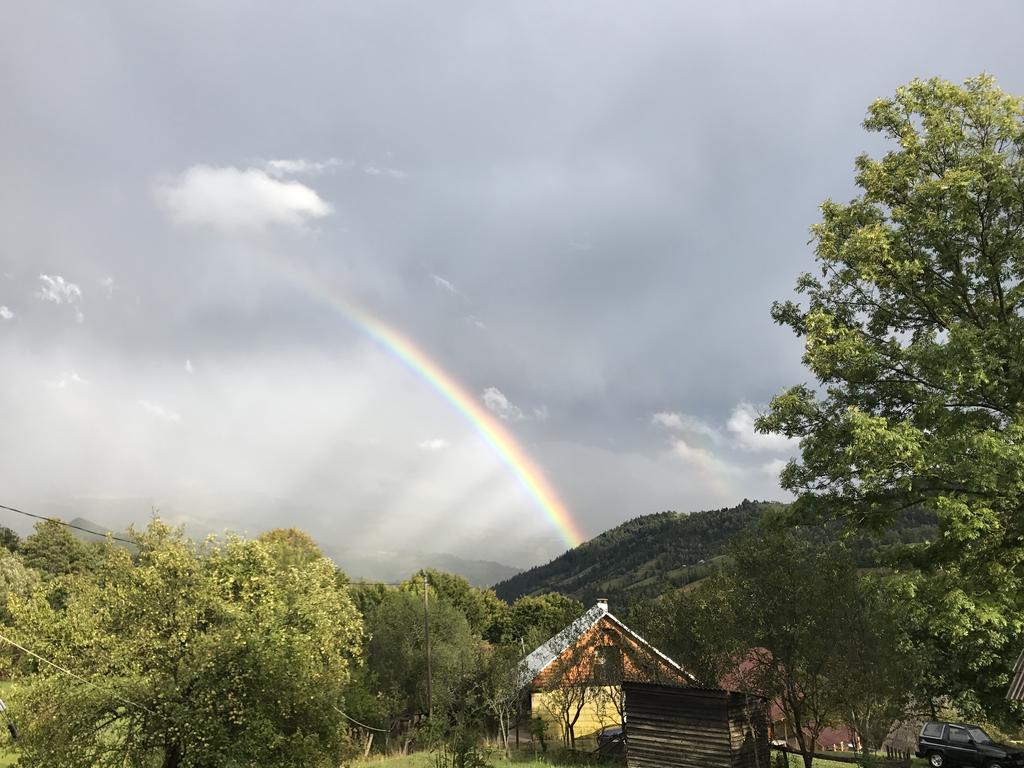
x,y
681,727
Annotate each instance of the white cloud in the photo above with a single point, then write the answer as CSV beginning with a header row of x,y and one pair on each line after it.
x,y
444,284
395,173
687,424
741,425
668,419
64,380
302,167
774,467
476,322
496,402
160,412
5,313
58,290
434,444
107,284
236,200
188,366
692,454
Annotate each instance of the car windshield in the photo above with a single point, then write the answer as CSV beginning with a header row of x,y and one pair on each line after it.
x,y
979,736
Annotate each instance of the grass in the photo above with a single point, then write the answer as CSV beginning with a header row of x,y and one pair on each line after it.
x,y
425,760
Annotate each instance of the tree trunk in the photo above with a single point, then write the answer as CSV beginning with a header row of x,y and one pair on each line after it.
x,y
172,756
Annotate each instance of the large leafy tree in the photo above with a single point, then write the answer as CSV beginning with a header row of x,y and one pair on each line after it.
x,y
54,551
397,651
914,332
189,658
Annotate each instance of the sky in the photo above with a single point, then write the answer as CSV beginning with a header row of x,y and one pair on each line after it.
x,y
579,211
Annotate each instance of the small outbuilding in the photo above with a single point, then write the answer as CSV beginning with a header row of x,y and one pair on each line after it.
x,y
669,726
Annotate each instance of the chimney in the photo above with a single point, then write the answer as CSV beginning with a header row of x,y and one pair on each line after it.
x,y
602,603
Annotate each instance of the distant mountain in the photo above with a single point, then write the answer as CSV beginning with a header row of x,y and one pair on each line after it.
x,y
653,553
368,565
372,565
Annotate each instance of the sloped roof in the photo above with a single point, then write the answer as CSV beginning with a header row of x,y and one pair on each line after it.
x,y
548,651
1016,690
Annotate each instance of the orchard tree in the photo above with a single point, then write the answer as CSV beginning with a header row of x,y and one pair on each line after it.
x,y
187,658
914,333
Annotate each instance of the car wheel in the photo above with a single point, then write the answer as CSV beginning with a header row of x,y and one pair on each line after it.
x,y
994,765
935,760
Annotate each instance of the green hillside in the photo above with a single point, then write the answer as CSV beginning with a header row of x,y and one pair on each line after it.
x,y
652,553
641,557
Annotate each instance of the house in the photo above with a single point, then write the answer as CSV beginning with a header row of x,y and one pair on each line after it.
x,y
575,678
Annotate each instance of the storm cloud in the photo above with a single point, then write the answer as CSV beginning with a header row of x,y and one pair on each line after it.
x,y
580,210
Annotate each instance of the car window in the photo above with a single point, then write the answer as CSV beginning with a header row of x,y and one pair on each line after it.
x,y
932,729
979,736
958,735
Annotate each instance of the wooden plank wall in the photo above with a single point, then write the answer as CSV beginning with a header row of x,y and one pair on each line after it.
x,y
678,727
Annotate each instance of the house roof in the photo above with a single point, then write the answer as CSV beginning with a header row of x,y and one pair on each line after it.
x,y
551,649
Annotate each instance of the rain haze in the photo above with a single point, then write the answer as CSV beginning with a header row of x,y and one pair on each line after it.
x,y
578,212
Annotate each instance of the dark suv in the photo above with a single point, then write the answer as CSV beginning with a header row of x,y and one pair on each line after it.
x,y
949,744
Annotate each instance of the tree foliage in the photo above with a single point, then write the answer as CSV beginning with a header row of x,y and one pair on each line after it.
x,y
52,550
290,547
397,650
216,658
914,331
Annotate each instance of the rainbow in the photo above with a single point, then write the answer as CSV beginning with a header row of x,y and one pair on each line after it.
x,y
487,426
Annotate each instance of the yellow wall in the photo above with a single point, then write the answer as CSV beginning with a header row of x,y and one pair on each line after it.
x,y
598,712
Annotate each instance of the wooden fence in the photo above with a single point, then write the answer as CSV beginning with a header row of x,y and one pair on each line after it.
x,y
894,758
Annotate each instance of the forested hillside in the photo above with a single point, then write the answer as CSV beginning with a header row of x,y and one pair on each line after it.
x,y
641,557
653,553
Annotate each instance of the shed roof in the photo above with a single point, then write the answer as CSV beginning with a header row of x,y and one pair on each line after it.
x,y
1016,690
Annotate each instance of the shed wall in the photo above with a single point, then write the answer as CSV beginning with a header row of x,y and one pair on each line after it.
x,y
670,727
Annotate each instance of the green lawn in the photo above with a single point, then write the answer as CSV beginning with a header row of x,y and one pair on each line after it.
x,y
425,760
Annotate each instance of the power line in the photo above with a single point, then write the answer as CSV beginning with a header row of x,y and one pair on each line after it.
x,y
69,525
67,671
361,725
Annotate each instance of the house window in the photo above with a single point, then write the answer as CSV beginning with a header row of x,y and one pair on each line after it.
x,y
608,660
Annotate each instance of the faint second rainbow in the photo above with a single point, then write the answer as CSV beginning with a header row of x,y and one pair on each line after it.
x,y
489,428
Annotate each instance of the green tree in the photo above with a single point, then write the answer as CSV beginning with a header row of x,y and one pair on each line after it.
x,y
216,658
914,331
486,614
879,669
787,601
503,682
291,547
9,539
54,551
16,581
397,651
535,618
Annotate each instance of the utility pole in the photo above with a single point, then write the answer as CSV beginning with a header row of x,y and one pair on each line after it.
x,y
426,635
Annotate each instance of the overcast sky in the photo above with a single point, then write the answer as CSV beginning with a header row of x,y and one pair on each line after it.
x,y
581,210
